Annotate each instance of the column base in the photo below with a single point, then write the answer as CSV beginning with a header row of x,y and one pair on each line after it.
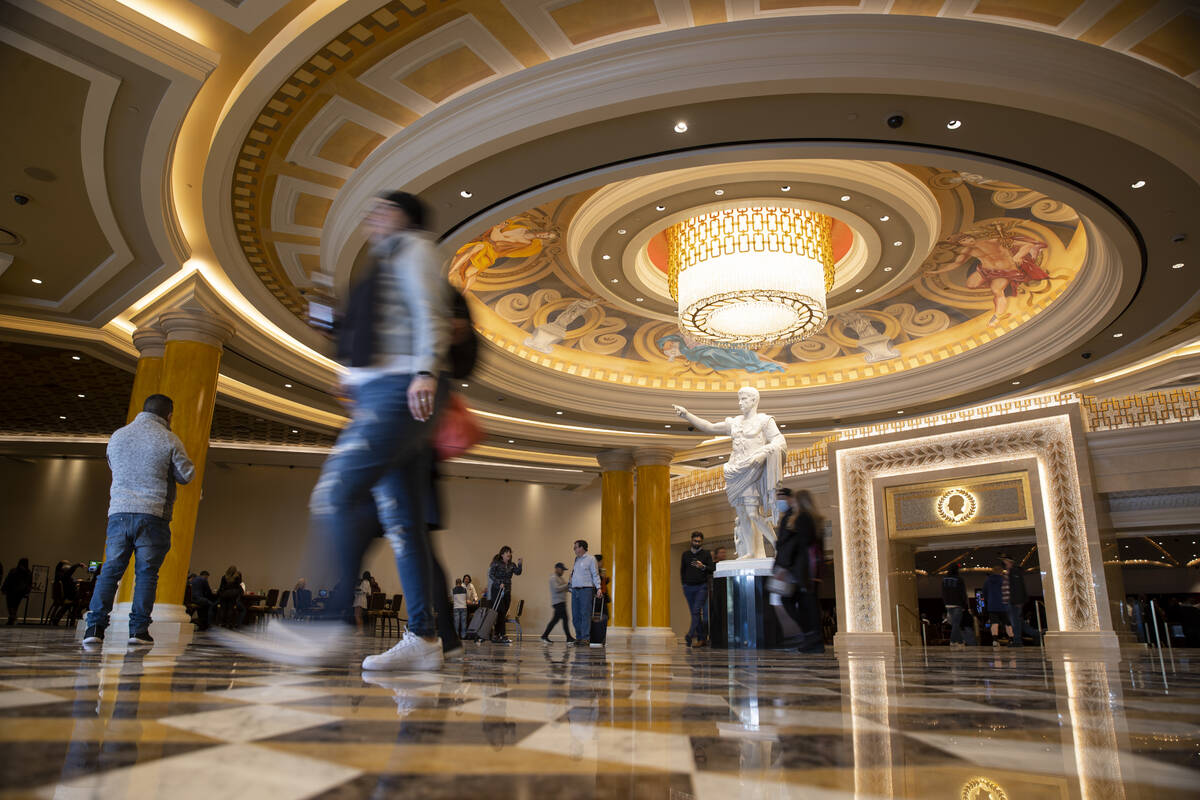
x,y
170,623
852,644
1083,644
657,639
618,636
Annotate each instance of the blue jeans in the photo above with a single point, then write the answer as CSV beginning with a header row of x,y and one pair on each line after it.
x,y
146,537
460,622
1019,626
697,602
378,475
582,598
956,615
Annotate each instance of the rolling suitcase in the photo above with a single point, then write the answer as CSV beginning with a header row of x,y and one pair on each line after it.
x,y
599,622
484,620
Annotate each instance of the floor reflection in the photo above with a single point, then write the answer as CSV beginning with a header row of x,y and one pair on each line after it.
x,y
532,720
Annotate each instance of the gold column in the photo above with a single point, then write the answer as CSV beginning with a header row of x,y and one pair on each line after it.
x,y
193,355
151,344
616,535
653,548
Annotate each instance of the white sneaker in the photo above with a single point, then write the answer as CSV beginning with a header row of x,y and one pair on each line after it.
x,y
410,653
312,645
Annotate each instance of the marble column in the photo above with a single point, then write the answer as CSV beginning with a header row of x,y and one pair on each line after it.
x,y
192,356
151,346
616,538
653,520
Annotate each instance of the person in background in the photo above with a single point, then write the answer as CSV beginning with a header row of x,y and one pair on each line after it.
x,y
458,596
16,587
604,581
147,461
500,575
204,599
1017,595
361,592
65,589
719,555
995,603
695,567
229,596
558,601
584,584
792,588
472,594
954,595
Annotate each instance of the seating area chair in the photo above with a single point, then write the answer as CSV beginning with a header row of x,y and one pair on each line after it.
x,y
515,619
389,615
277,611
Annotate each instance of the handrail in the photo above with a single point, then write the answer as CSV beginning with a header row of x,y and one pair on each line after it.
x,y
920,624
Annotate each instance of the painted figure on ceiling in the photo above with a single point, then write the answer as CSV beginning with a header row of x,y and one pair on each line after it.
x,y
514,238
678,345
1004,263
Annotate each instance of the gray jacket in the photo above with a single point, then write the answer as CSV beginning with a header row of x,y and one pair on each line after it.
x,y
412,321
146,460
558,589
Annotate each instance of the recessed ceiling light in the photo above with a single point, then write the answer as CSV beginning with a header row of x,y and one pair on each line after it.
x,y
621,231
464,193
887,269
512,441
287,386
76,358
845,198
1016,383
785,188
615,280
660,207
606,257
295,431
1118,335
884,218
666,426
81,395
858,291
465,385
784,425
559,413
897,244
60,416
954,124
36,280
1177,266
718,192
681,127
899,412
639,299
1137,184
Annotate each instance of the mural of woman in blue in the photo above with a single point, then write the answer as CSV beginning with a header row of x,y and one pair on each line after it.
x,y
676,345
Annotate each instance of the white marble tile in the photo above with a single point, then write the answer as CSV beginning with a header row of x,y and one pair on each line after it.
x,y
236,770
18,698
67,682
247,723
524,710
722,786
592,743
277,679
270,694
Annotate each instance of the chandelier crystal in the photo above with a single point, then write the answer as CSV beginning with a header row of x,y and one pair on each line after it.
x,y
751,277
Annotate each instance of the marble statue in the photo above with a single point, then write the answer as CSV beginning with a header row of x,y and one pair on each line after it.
x,y
753,472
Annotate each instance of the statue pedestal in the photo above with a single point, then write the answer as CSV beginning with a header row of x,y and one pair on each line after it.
x,y
740,615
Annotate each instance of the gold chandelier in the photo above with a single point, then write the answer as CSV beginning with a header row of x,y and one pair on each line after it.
x,y
751,277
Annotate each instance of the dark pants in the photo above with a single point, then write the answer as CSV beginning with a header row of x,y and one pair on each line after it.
x,y
14,605
696,595
956,614
204,608
1019,627
581,611
145,537
803,610
501,628
233,611
560,614
377,474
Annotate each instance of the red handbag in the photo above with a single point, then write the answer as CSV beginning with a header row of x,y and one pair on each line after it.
x,y
457,430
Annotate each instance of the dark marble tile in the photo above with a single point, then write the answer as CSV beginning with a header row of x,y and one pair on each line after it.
x,y
494,732
640,786
815,751
25,765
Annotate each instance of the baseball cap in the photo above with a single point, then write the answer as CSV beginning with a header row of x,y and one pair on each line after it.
x,y
560,565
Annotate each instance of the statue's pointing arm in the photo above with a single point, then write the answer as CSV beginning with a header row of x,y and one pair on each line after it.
x,y
715,428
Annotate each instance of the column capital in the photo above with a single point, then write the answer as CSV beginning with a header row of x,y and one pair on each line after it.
x,y
150,342
194,325
615,460
647,456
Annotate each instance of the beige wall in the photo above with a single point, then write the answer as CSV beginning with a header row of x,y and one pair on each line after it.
x,y
257,518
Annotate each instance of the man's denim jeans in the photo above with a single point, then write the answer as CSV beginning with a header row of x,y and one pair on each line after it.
x,y
379,474
697,600
956,615
146,537
582,598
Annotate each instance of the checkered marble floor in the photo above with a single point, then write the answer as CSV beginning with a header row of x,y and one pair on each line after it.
x,y
530,720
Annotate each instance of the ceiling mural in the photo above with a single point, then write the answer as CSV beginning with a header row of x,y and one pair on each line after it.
x,y
1006,253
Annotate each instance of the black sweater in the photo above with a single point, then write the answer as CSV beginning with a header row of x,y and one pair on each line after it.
x,y
796,534
954,591
692,575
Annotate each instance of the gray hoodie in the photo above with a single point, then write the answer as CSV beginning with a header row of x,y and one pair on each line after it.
x,y
146,460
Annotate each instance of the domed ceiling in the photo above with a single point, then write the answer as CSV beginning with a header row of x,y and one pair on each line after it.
x,y
931,265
